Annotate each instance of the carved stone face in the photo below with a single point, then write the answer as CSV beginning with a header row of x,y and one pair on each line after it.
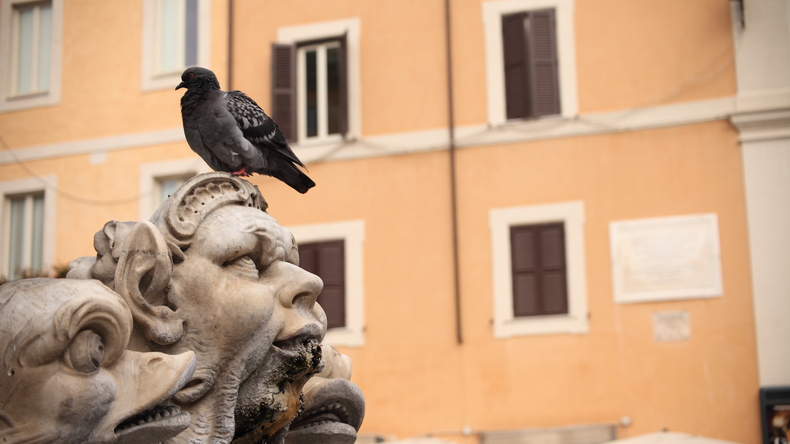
x,y
66,376
248,312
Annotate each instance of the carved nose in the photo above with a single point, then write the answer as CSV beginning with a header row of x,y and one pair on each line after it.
x,y
298,300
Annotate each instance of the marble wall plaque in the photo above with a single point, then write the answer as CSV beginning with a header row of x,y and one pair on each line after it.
x,y
671,326
666,258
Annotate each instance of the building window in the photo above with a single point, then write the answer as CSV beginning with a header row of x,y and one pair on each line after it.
x,y
25,235
30,60
315,71
30,47
333,251
530,64
27,228
175,36
317,91
530,59
538,262
161,179
165,186
538,269
176,31
327,261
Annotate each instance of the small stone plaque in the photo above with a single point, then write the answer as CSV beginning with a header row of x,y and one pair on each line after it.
x,y
671,326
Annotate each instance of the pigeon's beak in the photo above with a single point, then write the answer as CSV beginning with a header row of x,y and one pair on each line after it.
x,y
180,85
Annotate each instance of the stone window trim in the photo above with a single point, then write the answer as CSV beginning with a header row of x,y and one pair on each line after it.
x,y
352,232
493,11
150,79
506,324
8,100
22,187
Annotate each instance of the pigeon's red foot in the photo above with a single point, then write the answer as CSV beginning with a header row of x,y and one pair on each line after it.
x,y
242,172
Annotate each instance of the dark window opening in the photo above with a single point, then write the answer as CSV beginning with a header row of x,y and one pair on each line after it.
x,y
327,260
539,269
531,66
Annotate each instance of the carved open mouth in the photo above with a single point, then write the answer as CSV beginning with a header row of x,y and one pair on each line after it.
x,y
162,420
334,412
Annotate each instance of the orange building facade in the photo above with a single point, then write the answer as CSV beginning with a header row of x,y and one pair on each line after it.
x,y
638,136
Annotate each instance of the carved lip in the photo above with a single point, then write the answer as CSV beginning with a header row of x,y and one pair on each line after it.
x,y
156,419
331,402
153,425
334,412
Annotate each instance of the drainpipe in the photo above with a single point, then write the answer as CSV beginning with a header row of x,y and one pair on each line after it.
x,y
453,192
230,46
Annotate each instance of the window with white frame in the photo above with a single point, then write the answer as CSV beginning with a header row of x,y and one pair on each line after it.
x,y
167,185
315,74
159,180
27,229
333,251
530,59
30,51
320,92
25,235
175,36
539,282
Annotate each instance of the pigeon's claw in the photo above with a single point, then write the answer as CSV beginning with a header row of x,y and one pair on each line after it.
x,y
241,172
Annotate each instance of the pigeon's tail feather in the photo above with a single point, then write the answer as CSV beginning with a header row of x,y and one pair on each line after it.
x,y
289,174
301,184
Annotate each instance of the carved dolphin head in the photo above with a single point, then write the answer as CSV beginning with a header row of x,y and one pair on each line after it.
x,y
65,373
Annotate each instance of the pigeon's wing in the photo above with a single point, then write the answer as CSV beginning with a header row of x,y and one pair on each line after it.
x,y
257,127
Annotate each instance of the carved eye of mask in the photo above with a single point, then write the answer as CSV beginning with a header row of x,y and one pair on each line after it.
x,y
244,267
86,351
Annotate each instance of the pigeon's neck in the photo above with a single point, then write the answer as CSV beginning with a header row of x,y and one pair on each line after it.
x,y
203,88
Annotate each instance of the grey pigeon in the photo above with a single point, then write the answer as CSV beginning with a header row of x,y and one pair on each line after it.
x,y
233,134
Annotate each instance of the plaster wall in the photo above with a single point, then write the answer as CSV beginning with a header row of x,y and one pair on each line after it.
x,y
415,377
540,381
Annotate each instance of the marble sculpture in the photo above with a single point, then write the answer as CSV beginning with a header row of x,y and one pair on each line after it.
x,y
211,279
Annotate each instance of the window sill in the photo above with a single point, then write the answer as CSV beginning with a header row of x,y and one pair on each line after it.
x,y
541,325
319,141
28,96
29,101
344,337
160,82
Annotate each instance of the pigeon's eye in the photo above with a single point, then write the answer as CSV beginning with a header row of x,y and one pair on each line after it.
x,y
86,352
243,267
192,74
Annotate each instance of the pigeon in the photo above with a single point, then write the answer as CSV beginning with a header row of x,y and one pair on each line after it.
x,y
233,134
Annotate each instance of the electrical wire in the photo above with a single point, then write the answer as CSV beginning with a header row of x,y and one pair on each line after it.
x,y
65,194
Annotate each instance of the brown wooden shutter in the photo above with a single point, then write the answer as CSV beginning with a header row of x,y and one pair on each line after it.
x,y
539,270
523,246
331,265
543,71
327,260
343,85
514,45
284,89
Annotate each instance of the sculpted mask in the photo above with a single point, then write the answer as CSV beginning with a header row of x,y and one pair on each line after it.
x,y
66,376
212,272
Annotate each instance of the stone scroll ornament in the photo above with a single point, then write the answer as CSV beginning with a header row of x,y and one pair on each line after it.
x,y
66,375
213,273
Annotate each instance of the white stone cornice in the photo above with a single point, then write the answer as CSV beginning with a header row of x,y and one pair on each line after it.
x,y
88,146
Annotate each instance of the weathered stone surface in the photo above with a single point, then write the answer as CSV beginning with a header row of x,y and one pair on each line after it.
x,y
66,375
213,273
